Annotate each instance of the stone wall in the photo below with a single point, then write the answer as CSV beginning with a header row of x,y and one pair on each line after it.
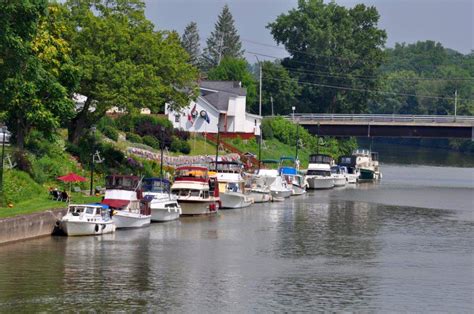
x,y
29,226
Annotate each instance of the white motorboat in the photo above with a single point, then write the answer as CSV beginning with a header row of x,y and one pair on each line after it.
x,y
258,190
338,173
163,205
318,174
351,171
197,193
123,194
232,190
279,188
368,165
87,219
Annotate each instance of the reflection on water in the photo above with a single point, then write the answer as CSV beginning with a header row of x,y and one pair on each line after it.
x,y
383,247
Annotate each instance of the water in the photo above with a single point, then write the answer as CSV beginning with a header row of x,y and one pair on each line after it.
x,y
405,244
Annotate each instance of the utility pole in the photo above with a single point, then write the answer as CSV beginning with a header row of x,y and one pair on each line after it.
x,y
455,103
161,151
297,140
260,87
260,148
271,100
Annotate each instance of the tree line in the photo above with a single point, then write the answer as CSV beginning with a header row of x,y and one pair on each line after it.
x,y
109,52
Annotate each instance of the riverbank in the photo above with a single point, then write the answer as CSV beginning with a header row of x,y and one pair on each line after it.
x,y
30,226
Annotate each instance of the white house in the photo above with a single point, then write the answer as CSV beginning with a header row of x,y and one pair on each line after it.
x,y
221,104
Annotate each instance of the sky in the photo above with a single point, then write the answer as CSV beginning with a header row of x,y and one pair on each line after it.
x,y
450,22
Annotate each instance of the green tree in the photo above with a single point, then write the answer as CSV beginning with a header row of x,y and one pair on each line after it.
x,y
123,62
190,42
279,86
224,40
330,45
232,69
34,62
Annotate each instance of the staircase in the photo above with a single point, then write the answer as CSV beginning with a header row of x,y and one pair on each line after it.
x,y
247,160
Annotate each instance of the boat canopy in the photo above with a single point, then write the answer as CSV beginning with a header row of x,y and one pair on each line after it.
x,y
269,161
287,158
288,170
361,152
121,182
156,185
192,172
349,161
320,159
114,203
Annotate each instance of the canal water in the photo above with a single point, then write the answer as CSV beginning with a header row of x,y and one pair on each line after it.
x,y
404,244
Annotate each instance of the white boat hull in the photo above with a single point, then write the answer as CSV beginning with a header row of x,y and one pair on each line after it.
x,y
233,200
260,196
320,182
161,213
83,228
297,190
281,193
340,181
351,178
197,207
124,219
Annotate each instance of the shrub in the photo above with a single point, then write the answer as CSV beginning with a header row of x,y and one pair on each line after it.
x,y
134,138
151,141
22,160
175,144
267,130
110,132
18,186
106,121
185,147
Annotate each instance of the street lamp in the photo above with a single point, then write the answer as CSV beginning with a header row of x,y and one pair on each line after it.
x,y
93,128
293,108
4,131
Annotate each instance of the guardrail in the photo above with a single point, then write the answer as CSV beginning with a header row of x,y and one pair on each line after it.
x,y
301,117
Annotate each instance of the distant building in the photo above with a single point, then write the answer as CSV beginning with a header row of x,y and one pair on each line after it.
x,y
220,104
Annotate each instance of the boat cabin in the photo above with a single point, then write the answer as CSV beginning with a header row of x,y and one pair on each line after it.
x,y
226,166
89,210
122,182
192,173
194,181
320,159
156,185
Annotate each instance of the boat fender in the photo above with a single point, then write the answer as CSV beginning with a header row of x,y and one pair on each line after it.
x,y
96,228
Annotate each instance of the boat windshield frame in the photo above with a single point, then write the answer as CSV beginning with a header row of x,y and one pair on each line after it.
x,y
122,182
156,185
320,159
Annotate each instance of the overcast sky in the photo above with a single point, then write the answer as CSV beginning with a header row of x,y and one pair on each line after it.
x,y
447,21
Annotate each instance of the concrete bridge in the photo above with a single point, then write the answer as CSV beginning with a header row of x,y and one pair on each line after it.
x,y
386,125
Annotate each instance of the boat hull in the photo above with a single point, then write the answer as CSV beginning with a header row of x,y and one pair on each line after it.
x,y
130,220
281,193
162,211
83,228
297,190
231,200
366,175
260,196
317,183
195,207
340,181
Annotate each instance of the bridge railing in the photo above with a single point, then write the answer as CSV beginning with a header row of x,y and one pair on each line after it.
x,y
302,117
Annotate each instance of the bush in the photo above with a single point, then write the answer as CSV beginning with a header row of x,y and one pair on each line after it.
x,y
18,186
267,130
175,144
110,132
134,138
185,147
106,121
22,160
151,141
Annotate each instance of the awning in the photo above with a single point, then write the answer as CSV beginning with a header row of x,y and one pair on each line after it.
x,y
115,203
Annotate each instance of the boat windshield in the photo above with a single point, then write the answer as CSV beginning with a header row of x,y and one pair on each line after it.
x,y
156,186
191,173
186,192
336,170
322,173
320,159
121,182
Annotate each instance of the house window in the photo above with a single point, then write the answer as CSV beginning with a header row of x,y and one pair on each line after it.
x,y
176,118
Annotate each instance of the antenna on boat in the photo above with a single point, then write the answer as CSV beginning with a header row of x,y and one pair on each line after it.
x,y
217,144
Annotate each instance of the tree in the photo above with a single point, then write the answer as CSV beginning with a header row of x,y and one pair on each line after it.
x,y
224,40
331,49
124,62
34,64
279,86
190,42
232,69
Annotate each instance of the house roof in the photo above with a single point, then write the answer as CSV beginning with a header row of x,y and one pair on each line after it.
x,y
217,93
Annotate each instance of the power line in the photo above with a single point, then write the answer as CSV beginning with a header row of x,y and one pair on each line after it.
x,y
355,76
367,90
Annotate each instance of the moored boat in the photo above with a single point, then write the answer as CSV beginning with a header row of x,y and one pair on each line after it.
x,y
318,174
232,191
87,219
279,188
367,164
124,196
339,175
258,190
197,193
352,172
291,175
163,205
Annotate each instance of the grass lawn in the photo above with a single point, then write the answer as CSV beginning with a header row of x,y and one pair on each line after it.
x,y
43,203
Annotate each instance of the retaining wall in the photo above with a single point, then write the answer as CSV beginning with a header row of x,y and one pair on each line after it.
x,y
29,226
